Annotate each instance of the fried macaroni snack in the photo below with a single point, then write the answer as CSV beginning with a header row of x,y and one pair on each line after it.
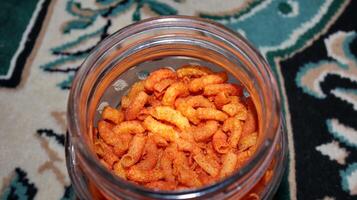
x,y
178,130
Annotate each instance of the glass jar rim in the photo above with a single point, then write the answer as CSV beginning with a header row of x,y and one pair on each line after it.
x,y
166,21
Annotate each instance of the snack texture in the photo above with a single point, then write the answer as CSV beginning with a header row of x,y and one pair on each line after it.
x,y
178,130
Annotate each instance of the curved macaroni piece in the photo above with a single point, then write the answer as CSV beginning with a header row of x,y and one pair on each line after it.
x,y
160,141
228,88
163,84
205,164
152,101
184,145
166,165
105,132
187,111
242,158
136,105
198,84
132,127
144,176
110,158
99,147
159,95
184,174
219,142
199,101
170,115
121,147
235,136
134,91
164,130
230,123
160,152
242,115
166,162
125,102
187,134
186,80
113,115
211,114
233,125
229,164
106,152
135,151
192,71
175,90
238,109
204,177
247,141
151,155
158,75
204,131
186,106
213,156
221,99
250,124
179,158
119,170
143,114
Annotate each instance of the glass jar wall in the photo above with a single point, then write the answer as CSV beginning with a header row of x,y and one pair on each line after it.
x,y
173,41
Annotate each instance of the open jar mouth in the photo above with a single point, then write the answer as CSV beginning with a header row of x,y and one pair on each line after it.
x,y
174,37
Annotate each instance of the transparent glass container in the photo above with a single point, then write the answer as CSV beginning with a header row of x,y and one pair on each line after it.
x,y
129,55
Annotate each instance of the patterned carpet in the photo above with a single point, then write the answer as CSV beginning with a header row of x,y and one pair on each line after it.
x,y
310,45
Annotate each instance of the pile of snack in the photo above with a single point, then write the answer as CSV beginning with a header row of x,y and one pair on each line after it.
x,y
178,130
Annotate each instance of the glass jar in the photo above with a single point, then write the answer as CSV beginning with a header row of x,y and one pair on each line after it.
x,y
132,52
